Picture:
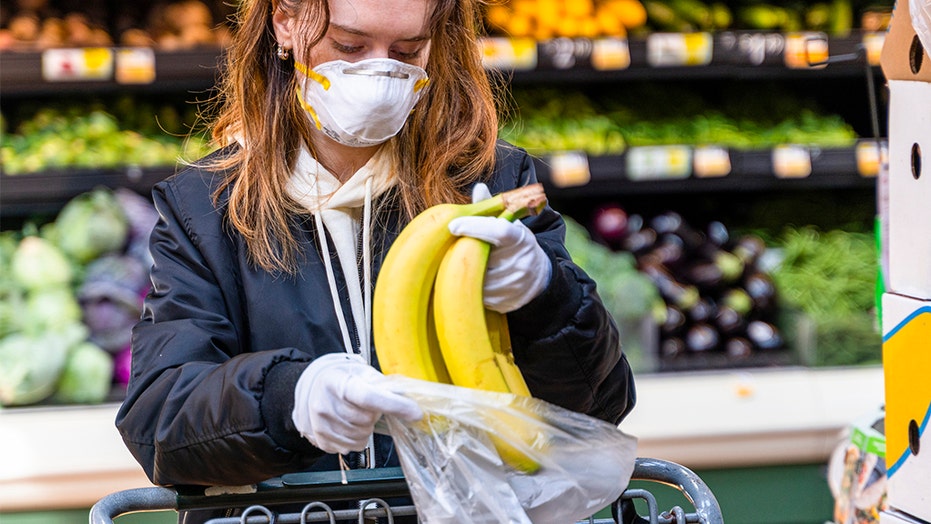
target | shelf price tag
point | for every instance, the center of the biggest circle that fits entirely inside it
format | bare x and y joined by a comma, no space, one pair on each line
659,162
519,54
610,54
565,53
135,65
873,43
569,169
77,64
679,49
711,161
751,48
791,161
806,50
870,155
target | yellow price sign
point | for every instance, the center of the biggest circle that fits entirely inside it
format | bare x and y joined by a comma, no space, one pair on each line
77,64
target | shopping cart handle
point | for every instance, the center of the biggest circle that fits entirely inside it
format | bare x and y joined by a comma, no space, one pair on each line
131,501
684,480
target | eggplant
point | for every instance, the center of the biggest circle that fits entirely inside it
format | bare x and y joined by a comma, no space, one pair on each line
762,291
702,337
764,335
671,348
729,321
738,347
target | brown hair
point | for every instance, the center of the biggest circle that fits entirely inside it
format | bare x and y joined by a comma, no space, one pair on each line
448,142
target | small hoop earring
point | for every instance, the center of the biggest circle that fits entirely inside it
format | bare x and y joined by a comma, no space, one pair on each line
282,53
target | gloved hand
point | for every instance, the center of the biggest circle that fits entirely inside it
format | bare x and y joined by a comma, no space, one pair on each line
337,401
518,269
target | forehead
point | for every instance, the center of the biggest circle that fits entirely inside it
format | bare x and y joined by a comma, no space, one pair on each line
400,18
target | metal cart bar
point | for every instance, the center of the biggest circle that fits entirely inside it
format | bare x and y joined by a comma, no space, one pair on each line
373,485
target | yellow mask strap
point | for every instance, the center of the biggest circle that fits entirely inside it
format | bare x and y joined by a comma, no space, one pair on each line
420,84
307,107
313,75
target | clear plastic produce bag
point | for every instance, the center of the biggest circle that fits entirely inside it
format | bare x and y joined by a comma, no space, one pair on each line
496,458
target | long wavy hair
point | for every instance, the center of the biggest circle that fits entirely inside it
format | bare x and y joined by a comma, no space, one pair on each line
447,143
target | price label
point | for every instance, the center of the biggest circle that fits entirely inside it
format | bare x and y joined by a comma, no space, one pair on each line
135,65
75,65
659,162
752,48
711,161
873,44
565,53
679,49
871,154
791,161
519,54
569,169
806,50
610,54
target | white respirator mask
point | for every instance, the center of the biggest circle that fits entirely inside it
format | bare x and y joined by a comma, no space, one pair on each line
361,103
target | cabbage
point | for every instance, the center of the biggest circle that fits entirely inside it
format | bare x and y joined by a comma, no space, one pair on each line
31,364
87,376
38,264
50,309
92,224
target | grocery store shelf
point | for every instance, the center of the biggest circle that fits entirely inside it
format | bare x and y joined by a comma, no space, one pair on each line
24,74
747,171
731,54
61,457
47,192
751,417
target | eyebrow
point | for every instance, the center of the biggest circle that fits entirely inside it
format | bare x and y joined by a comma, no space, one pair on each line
359,32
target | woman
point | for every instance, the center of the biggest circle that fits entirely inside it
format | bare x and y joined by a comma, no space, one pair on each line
340,120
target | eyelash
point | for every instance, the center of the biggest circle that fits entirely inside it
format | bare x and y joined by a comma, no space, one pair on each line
354,49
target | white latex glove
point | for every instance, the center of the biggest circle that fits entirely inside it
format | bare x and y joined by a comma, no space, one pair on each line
518,269
338,399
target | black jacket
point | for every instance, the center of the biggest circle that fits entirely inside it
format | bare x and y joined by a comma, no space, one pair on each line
221,344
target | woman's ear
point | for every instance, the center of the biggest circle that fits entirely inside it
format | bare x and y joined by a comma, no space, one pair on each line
283,23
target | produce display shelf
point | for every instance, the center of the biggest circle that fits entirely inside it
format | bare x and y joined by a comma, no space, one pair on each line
731,54
36,73
749,171
47,192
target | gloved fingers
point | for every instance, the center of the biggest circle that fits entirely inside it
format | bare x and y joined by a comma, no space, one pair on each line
373,399
480,192
495,231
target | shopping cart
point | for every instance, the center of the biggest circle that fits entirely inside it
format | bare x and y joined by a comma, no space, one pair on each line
316,491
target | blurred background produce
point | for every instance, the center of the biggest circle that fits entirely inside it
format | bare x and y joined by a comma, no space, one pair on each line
61,135
70,291
545,120
544,19
173,25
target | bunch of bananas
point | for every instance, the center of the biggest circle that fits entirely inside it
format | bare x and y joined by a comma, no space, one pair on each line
429,321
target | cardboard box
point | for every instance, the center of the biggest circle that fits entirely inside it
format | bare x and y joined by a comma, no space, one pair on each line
909,186
903,57
907,377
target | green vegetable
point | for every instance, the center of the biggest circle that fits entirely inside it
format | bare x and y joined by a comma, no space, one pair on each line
87,376
38,264
91,224
31,364
50,309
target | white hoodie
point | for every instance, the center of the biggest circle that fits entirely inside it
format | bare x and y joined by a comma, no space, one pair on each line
345,210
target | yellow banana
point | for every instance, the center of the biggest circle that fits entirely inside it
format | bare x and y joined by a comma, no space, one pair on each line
497,324
475,344
401,302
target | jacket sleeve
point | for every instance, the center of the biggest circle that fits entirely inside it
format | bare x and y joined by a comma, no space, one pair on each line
565,340
199,408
